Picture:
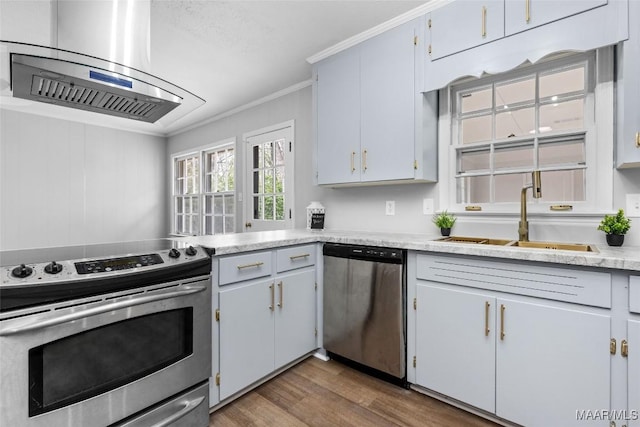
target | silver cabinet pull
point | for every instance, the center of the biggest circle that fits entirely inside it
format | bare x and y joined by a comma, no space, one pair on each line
502,334
294,257
486,318
273,297
281,287
255,264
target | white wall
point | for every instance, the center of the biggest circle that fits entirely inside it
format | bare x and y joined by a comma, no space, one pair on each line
66,183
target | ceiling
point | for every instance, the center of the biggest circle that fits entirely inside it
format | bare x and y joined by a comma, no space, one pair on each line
231,53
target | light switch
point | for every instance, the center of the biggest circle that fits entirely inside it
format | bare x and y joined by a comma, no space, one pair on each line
633,205
427,206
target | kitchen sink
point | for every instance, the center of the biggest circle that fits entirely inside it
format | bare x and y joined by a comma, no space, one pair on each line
476,240
581,247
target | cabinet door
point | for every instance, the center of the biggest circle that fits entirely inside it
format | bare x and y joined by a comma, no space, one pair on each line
465,24
246,335
628,152
338,118
521,15
633,377
295,320
551,362
387,94
455,344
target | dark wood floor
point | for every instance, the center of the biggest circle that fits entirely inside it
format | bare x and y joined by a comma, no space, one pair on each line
316,393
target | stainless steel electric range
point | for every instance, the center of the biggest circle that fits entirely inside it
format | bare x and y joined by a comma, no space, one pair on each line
105,335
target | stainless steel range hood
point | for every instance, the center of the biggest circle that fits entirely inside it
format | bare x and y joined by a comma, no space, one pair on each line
86,88
90,56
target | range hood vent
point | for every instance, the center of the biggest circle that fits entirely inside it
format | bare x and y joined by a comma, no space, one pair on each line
87,88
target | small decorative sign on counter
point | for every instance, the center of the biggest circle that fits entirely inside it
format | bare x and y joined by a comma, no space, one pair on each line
315,216
317,221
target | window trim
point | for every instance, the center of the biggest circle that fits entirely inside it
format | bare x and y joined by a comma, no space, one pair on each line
201,152
598,144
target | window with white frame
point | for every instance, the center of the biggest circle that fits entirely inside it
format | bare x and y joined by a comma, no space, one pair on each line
219,191
540,117
186,194
204,191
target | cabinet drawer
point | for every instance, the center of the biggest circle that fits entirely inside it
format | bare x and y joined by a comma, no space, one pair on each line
244,267
555,283
295,257
634,294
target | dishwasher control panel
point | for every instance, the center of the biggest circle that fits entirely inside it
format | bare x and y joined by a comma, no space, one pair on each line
365,253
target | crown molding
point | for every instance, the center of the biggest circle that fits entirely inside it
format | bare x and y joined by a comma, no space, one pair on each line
379,29
291,89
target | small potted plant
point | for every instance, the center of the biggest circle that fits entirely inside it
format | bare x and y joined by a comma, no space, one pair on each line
444,221
615,226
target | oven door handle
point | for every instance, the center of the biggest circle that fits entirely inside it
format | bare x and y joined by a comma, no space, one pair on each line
105,308
189,406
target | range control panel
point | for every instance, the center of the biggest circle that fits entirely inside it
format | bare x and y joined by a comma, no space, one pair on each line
120,263
65,270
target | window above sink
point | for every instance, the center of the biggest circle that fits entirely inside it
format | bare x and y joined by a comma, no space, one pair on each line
555,116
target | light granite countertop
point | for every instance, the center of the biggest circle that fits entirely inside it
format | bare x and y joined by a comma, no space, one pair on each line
620,258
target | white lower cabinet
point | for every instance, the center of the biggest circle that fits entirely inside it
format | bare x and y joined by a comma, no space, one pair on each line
295,316
530,361
246,336
633,377
266,311
551,363
632,354
455,355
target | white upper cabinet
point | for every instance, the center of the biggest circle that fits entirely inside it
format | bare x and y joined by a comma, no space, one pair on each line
387,94
476,23
532,30
338,118
522,15
372,122
628,144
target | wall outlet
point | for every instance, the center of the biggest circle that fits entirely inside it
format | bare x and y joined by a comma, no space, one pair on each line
633,205
427,206
390,208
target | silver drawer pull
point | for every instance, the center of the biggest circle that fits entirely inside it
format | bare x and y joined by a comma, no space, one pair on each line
293,257
187,407
255,264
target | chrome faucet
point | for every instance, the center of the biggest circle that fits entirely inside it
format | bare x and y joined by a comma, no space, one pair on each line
536,188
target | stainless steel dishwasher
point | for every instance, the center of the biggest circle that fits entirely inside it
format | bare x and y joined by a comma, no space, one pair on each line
365,307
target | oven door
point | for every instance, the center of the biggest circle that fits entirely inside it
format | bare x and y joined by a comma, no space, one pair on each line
100,362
